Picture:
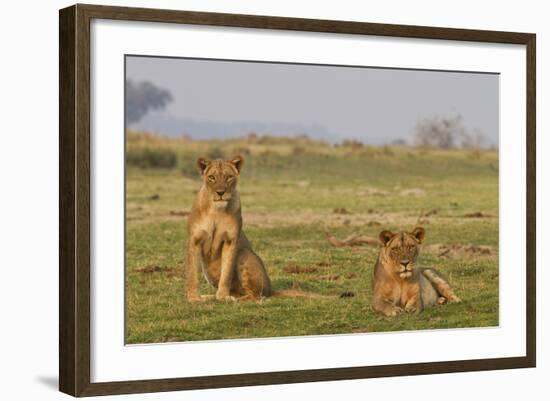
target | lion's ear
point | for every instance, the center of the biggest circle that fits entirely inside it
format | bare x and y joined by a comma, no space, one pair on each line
202,163
384,237
238,162
419,233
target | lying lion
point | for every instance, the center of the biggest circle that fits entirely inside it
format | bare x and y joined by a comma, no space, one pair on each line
401,286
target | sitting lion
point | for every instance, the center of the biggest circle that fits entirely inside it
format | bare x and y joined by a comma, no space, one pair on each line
217,244
398,284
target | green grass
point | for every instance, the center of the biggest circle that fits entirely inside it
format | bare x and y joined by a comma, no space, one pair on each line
288,196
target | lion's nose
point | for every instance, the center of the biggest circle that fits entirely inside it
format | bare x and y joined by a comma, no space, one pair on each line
405,262
220,193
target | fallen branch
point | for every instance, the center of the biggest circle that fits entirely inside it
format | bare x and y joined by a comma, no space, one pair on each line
354,240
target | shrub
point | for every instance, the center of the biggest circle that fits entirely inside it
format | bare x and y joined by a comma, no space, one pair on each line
475,154
151,158
252,137
241,150
387,151
298,150
370,152
215,153
188,166
352,143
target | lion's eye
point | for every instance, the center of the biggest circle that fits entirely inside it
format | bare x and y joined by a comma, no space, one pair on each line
230,178
211,178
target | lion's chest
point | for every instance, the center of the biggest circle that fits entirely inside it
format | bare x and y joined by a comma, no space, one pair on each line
403,290
215,231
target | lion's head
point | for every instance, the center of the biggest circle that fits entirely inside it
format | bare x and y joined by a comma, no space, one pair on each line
400,250
220,178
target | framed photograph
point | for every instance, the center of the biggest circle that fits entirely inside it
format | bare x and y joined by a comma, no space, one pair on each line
249,200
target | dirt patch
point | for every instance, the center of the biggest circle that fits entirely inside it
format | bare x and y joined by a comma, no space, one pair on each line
430,213
154,197
413,192
374,219
179,213
373,192
322,264
330,277
269,219
341,210
154,269
477,215
169,339
293,268
457,251
337,276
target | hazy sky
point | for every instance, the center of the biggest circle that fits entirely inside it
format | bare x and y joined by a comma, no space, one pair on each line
370,104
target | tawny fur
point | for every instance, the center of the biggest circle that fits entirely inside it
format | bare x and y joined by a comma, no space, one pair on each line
399,285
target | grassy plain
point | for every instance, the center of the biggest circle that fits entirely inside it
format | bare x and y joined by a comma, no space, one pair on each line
291,189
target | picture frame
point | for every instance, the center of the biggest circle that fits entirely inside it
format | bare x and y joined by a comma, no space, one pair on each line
76,200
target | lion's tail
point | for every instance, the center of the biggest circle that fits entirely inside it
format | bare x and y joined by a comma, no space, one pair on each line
308,295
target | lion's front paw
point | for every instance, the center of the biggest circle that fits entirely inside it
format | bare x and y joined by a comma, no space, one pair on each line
394,311
454,299
412,309
222,296
200,298
194,297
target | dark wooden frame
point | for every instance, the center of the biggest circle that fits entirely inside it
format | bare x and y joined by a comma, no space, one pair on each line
74,199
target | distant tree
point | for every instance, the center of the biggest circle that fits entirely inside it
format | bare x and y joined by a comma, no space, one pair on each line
439,131
352,143
474,140
142,97
447,132
252,137
399,142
